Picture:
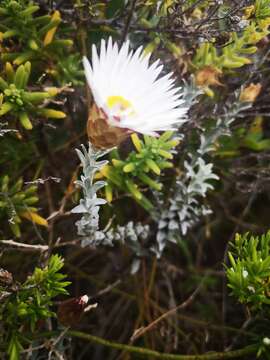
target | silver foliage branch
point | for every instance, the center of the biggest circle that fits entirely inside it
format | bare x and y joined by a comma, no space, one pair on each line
185,209
88,225
132,234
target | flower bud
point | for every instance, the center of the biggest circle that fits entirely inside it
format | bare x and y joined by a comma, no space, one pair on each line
70,311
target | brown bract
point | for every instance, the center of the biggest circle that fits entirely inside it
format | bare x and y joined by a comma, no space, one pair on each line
70,311
100,133
250,93
207,76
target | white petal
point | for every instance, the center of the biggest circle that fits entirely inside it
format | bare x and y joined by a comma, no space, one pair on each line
156,102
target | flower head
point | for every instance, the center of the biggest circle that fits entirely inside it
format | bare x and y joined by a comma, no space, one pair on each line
250,93
130,94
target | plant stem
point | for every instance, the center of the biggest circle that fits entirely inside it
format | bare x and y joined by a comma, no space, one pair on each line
129,18
82,37
251,349
22,246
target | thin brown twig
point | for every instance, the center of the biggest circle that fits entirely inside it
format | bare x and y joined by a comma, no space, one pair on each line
108,288
128,22
24,247
183,305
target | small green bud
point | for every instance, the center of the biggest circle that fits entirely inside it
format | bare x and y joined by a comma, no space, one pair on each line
30,190
62,43
51,113
9,72
33,44
17,186
31,200
9,33
117,163
51,25
5,108
19,101
52,91
129,168
148,181
25,121
165,165
133,189
30,10
165,154
15,229
23,58
153,166
36,96
231,259
21,311
170,144
17,198
3,84
5,182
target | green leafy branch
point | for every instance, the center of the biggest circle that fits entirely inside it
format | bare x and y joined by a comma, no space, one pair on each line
29,303
152,155
262,9
249,274
16,100
36,35
37,40
17,202
236,52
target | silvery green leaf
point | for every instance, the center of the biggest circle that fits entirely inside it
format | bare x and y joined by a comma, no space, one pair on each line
185,209
98,185
102,163
184,227
95,202
135,266
162,224
87,226
81,156
173,225
79,209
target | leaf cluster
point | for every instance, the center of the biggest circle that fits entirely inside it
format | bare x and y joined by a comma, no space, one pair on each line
249,274
238,50
30,303
19,102
151,157
261,9
16,203
27,37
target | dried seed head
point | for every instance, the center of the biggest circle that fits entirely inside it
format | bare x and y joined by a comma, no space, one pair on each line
101,134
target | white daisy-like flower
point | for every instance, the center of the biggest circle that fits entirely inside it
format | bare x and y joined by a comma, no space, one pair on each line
131,93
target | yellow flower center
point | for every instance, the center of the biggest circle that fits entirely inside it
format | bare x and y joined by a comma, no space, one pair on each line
120,105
